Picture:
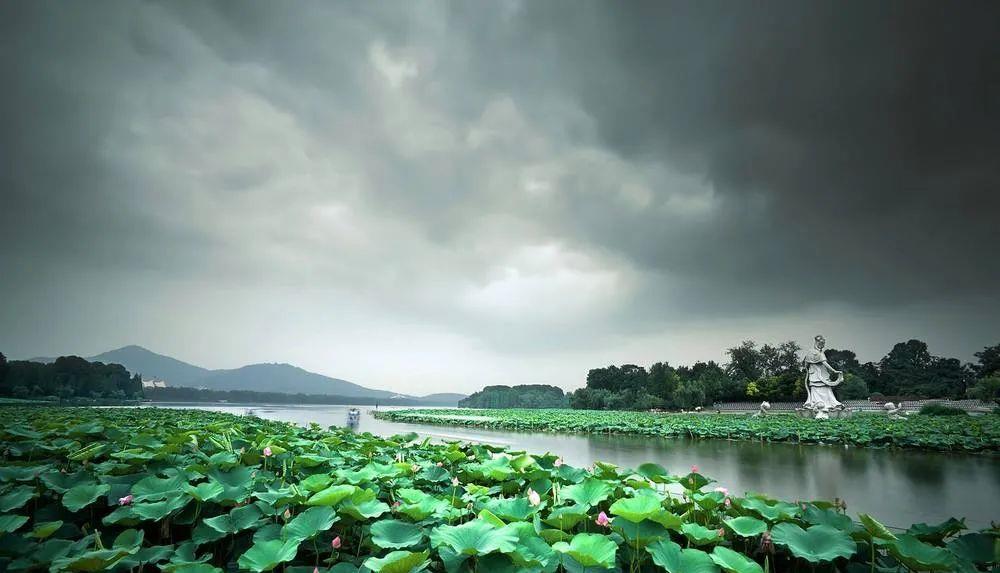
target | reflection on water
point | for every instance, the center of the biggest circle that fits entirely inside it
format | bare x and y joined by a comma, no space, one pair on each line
899,487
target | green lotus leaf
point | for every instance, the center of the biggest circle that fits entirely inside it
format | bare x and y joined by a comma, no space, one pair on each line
17,497
204,533
734,562
818,544
975,548
26,473
668,520
236,482
90,561
236,520
710,500
206,491
816,516
158,510
516,509
153,488
642,533
522,462
422,509
475,537
637,508
394,534
363,504
777,512
399,562
45,529
123,515
316,482
590,550
875,529
654,472
693,482
587,493
310,523
920,556
567,516
936,533
275,497
266,555
570,474
61,483
192,568
332,495
10,523
130,539
701,535
671,557
81,496
488,516
530,551
746,526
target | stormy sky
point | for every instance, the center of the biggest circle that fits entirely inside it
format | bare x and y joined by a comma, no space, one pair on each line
430,196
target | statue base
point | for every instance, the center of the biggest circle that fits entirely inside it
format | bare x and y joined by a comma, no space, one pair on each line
824,414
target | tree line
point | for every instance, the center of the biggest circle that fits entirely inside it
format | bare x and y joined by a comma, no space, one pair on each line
68,377
522,396
774,373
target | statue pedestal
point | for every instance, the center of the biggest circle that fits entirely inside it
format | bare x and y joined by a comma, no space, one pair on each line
830,414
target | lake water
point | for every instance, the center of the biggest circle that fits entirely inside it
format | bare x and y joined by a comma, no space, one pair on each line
899,487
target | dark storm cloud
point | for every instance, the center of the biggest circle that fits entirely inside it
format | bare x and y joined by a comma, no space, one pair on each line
515,177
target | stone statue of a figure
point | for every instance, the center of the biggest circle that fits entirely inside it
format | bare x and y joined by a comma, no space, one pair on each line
819,382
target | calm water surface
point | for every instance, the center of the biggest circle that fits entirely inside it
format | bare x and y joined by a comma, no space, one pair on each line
898,487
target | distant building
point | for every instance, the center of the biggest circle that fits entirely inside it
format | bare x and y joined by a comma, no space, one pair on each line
154,383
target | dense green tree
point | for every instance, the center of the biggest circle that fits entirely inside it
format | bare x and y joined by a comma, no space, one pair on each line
909,369
522,396
988,361
986,389
662,382
853,387
68,376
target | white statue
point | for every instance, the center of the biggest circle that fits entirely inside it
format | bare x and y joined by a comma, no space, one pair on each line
764,407
893,411
819,383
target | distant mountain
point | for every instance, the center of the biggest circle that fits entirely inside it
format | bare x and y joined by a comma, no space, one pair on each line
442,399
149,364
284,378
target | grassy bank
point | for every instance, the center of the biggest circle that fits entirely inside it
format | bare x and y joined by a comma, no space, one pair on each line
202,492
968,433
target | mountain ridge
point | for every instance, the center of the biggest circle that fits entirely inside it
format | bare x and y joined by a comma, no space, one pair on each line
260,377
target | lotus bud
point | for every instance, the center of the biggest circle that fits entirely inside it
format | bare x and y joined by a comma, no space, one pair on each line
602,520
267,452
533,497
336,543
558,462
694,469
127,500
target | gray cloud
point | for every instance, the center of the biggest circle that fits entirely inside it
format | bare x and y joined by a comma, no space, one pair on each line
449,194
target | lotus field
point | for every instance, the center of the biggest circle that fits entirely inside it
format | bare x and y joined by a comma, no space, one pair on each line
947,433
201,492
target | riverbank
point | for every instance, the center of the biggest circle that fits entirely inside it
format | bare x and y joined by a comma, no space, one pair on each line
938,433
203,491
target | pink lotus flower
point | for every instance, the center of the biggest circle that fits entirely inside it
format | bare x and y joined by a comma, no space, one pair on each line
602,520
729,502
694,469
288,513
533,497
336,543
721,532
722,490
558,462
440,464
267,452
454,482
127,500
315,569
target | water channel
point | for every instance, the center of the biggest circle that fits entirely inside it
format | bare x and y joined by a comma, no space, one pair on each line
899,487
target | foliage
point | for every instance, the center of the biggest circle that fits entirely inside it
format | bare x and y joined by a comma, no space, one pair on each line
67,377
934,409
987,389
522,396
197,491
970,433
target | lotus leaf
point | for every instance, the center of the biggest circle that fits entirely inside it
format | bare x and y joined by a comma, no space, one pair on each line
818,544
671,557
266,555
589,492
399,562
590,550
734,562
81,496
394,534
475,537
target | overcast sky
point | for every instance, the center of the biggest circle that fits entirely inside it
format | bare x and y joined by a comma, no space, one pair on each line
426,196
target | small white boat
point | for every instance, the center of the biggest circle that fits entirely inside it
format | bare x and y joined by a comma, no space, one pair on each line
353,416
